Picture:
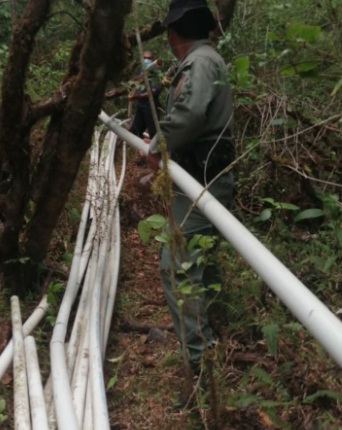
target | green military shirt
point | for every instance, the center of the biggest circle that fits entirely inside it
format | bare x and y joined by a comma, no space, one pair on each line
199,107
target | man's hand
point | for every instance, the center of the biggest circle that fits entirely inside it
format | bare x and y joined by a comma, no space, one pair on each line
153,160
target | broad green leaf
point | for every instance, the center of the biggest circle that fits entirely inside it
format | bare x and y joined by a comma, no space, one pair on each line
215,287
288,206
180,303
307,33
113,380
206,242
242,64
269,200
144,231
162,238
309,214
194,241
156,221
306,66
185,289
264,216
299,69
186,265
200,260
2,405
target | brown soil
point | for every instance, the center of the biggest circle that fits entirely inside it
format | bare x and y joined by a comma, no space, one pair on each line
148,375
144,374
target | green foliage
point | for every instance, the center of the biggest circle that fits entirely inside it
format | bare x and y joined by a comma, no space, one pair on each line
271,333
321,394
150,227
267,213
55,290
114,378
3,57
5,22
309,214
3,417
241,75
45,75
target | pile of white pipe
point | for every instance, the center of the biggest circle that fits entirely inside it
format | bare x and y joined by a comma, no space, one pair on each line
74,396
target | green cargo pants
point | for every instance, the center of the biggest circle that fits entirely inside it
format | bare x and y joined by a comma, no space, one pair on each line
192,315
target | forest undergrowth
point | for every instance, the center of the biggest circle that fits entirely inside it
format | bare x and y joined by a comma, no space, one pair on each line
267,371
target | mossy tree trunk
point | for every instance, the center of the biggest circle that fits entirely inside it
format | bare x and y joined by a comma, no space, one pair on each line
73,110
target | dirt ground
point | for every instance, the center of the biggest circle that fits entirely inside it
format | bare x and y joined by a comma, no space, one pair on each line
144,371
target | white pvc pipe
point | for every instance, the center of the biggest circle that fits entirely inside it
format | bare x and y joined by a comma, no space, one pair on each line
313,314
65,412
100,410
36,316
78,325
22,419
115,251
50,406
88,420
80,376
36,395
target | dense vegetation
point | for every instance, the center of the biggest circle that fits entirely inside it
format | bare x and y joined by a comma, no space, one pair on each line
284,60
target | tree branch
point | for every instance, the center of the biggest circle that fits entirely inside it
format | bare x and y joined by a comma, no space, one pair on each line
146,33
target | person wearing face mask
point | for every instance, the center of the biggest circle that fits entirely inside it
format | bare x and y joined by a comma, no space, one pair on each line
143,119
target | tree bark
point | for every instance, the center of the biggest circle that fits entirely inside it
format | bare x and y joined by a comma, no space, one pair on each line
70,133
14,133
97,56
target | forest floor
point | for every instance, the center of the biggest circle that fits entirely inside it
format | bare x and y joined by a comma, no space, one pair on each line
250,389
147,374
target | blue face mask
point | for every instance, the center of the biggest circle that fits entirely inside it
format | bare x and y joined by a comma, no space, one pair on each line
147,62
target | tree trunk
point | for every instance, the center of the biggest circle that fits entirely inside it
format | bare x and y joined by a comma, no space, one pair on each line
14,134
98,56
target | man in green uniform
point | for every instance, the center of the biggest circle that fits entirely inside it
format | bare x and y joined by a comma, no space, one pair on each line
198,132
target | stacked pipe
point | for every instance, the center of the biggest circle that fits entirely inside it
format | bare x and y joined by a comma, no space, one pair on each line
74,396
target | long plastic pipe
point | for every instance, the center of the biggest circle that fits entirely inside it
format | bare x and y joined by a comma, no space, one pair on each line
66,417
115,255
80,266
100,410
22,419
65,412
312,313
36,394
86,253
36,316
